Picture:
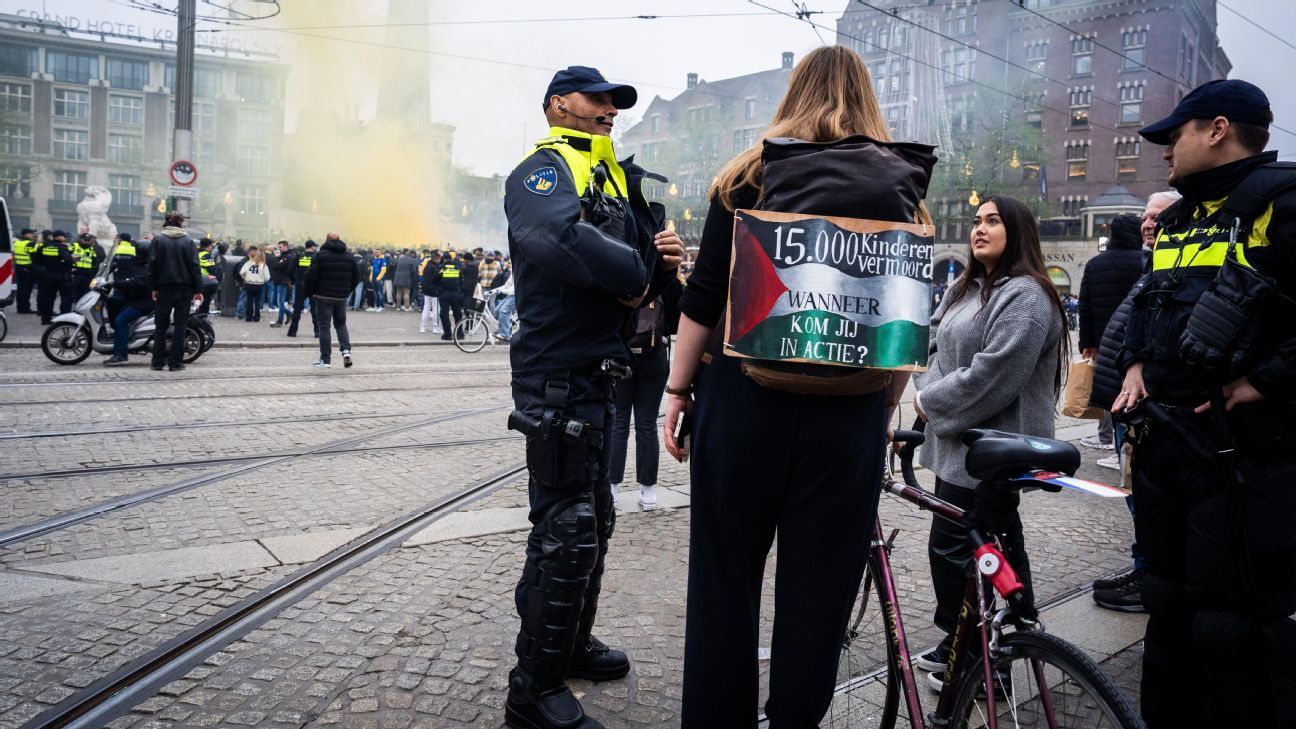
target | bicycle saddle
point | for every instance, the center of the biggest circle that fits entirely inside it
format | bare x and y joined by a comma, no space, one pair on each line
994,455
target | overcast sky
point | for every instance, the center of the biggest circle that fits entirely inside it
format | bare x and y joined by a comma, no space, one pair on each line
491,91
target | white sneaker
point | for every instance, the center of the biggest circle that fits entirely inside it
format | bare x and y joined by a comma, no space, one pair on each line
1112,462
647,497
616,492
1093,442
321,365
422,330
346,359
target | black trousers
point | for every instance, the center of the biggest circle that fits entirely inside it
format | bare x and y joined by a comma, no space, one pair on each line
767,463
1205,637
450,303
80,283
26,284
640,396
49,286
950,555
299,303
172,306
590,400
209,293
332,312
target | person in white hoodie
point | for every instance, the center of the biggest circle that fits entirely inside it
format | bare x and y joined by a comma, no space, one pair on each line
255,273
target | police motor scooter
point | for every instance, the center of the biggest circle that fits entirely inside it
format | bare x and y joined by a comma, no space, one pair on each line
71,337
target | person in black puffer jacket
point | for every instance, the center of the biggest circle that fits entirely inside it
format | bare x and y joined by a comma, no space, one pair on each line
331,278
1107,278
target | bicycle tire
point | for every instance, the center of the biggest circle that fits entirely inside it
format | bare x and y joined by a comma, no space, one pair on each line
1020,652
891,704
467,331
4,327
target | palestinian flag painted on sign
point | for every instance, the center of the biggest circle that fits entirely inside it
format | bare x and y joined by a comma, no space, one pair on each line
839,291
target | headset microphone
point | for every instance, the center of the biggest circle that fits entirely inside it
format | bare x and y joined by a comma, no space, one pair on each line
600,118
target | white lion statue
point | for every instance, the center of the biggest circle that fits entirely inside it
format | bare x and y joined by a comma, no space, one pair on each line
92,213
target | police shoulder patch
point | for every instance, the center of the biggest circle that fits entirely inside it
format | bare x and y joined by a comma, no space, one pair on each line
542,181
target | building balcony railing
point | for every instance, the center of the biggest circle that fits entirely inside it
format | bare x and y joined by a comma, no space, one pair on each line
20,203
62,206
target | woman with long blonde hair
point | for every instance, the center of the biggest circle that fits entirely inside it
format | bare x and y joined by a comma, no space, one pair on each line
768,462
255,274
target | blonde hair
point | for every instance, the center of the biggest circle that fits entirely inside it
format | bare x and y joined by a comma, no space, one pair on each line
829,97
257,257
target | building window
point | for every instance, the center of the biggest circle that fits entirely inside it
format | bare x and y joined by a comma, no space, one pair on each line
1081,100
253,123
15,139
1133,48
897,120
125,109
883,37
251,200
1030,171
751,109
17,60
1082,55
1127,156
656,123
16,98
168,76
71,104
965,19
72,68
1077,155
1035,109
1036,54
1185,57
68,185
125,149
71,144
125,190
1072,204
126,74
207,82
253,160
15,182
256,88
901,37
1131,102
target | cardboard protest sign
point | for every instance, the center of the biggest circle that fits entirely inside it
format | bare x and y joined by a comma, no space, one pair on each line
827,290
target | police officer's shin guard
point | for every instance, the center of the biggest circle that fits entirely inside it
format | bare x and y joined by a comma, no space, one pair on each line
591,659
555,587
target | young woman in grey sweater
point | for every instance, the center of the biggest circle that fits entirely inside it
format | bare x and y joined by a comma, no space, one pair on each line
999,344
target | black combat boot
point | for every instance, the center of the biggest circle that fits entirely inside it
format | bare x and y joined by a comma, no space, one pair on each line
555,708
593,660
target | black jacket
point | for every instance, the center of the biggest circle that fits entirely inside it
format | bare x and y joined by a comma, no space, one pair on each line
1108,277
281,271
468,281
173,261
1107,376
569,274
332,273
130,276
430,285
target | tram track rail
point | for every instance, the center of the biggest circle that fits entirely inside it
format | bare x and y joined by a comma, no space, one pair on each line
27,532
115,694
300,453
296,375
195,426
215,396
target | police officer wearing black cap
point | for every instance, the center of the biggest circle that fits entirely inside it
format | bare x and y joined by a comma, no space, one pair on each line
587,247
54,259
1210,395
299,269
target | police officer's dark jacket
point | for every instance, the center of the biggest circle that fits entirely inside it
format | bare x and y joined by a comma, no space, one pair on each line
1191,246
129,269
570,274
54,257
332,273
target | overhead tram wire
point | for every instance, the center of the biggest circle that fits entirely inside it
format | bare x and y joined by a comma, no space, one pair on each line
1262,29
982,84
981,51
503,21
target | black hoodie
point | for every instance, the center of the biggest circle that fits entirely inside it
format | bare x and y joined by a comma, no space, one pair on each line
332,273
1108,277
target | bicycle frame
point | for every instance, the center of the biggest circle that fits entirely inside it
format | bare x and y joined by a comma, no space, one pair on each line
973,616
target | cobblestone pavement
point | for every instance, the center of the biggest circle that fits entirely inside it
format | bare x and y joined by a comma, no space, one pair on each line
420,636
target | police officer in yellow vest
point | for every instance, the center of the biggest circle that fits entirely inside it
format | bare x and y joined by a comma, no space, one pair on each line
450,297
1210,363
86,257
303,265
54,259
23,270
211,274
586,248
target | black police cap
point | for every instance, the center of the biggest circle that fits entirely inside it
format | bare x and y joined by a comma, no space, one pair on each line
588,80
1233,99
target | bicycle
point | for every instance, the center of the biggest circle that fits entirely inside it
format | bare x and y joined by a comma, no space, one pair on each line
1037,679
479,326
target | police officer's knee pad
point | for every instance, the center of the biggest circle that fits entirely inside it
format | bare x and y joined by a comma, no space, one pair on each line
570,541
1160,594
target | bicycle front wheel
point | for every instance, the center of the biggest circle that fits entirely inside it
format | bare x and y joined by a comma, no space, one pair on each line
1046,682
471,333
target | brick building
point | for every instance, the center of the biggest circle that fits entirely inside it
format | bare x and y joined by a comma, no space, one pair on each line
1085,74
79,108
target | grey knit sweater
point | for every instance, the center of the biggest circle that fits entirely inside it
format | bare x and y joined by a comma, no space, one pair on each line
992,367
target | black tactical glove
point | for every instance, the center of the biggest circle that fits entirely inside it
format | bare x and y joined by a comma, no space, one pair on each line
1225,319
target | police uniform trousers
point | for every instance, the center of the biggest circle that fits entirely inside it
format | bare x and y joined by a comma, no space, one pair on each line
26,281
572,520
1205,663
452,310
299,295
808,470
51,285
